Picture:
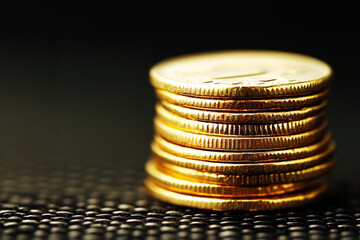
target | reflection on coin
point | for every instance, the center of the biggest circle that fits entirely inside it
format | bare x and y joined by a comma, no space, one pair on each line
245,168
259,129
245,117
247,180
259,156
241,74
215,190
244,204
238,143
242,105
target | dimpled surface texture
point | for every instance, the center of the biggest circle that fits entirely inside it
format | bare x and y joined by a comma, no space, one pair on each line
108,201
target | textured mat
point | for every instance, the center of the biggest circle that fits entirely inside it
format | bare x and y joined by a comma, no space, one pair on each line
108,201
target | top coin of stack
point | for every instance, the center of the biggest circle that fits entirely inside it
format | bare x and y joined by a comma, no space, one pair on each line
240,130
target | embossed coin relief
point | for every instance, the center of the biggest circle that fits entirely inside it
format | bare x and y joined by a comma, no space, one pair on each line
198,74
266,69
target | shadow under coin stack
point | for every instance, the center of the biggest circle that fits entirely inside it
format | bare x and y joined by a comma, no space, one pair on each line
240,130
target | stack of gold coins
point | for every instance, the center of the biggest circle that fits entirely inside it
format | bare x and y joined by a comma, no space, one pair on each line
240,130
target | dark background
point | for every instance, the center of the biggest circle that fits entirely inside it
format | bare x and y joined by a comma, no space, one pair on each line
74,79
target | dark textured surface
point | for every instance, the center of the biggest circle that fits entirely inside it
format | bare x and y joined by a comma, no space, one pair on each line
93,201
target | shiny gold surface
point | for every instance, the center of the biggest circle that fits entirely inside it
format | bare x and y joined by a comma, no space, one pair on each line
225,156
244,204
245,168
238,143
259,129
317,171
253,156
242,105
162,178
245,117
241,74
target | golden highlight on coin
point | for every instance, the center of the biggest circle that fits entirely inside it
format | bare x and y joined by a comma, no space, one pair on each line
238,143
242,105
248,180
240,130
245,117
259,129
240,204
212,189
245,168
251,156
241,74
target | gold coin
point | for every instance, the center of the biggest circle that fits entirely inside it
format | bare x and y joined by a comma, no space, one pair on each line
238,143
215,190
241,74
235,179
245,168
258,129
244,117
223,156
242,105
244,204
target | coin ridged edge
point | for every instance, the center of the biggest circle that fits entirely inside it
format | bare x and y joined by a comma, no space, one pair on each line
316,171
221,204
242,143
212,189
260,156
245,168
241,105
259,129
295,89
244,117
